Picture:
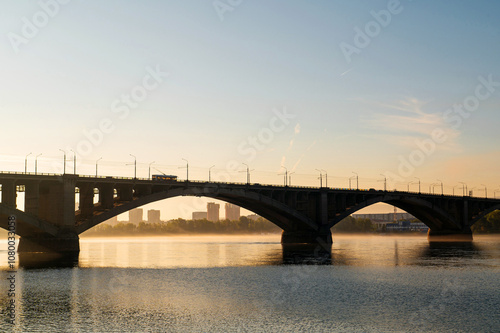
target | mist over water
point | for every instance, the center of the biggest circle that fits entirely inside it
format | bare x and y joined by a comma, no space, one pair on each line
245,284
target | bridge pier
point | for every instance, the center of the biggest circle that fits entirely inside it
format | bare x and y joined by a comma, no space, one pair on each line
449,235
322,238
64,243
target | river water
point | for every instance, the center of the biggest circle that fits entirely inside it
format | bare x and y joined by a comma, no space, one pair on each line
248,284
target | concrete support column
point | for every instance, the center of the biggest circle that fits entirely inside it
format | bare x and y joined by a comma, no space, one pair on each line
9,194
323,208
68,196
66,242
125,192
86,200
106,192
57,201
32,197
321,237
464,235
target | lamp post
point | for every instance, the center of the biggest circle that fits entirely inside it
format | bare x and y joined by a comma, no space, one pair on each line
464,188
485,191
441,185
326,177
135,166
385,182
74,161
149,169
454,189
36,162
210,173
96,166
357,180
285,182
433,185
26,163
408,186
248,173
187,169
64,164
418,184
290,178
320,178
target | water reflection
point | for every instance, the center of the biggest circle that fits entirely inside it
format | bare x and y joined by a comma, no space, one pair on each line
47,260
234,251
306,254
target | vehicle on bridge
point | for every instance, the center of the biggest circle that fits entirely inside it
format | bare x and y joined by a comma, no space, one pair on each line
165,178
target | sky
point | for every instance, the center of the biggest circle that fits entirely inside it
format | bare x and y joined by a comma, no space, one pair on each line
405,91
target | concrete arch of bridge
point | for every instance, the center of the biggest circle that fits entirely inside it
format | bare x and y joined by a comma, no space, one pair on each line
434,217
25,225
484,213
283,216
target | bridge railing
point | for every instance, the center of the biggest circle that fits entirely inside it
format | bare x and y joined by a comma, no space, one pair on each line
233,183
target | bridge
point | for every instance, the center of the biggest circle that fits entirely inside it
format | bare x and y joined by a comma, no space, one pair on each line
50,223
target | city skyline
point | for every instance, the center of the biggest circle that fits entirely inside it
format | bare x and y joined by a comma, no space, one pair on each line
404,90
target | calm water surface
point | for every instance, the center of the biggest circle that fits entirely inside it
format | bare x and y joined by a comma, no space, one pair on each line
247,284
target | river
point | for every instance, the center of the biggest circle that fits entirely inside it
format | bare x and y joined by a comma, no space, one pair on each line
248,284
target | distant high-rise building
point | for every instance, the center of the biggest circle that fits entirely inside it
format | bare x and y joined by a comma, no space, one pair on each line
154,216
199,215
213,211
135,216
232,212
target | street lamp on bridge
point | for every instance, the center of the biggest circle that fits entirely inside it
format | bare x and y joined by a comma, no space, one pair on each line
36,162
74,161
357,180
290,178
385,182
320,178
248,173
187,169
464,188
326,177
64,164
485,191
351,178
209,173
135,166
96,166
441,185
149,169
26,163
285,176
418,183
432,185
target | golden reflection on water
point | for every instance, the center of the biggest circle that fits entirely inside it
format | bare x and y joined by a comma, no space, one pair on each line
258,250
180,251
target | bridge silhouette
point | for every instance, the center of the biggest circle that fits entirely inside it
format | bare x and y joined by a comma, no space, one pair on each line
49,221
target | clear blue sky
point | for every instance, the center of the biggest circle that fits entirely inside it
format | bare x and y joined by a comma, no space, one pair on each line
232,67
